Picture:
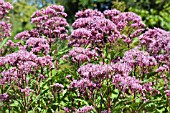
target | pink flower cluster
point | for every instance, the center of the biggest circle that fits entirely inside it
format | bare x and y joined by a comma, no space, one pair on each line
23,35
157,41
162,68
51,22
167,92
27,91
58,85
88,13
135,57
4,8
80,55
23,63
38,45
95,71
17,57
84,109
25,60
112,14
45,61
80,37
4,97
57,88
31,41
9,75
128,23
5,29
82,84
94,29
122,68
127,82
12,44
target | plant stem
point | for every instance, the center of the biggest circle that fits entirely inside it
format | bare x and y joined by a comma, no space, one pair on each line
58,100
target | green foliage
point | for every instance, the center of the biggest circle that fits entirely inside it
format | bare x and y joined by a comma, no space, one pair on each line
155,13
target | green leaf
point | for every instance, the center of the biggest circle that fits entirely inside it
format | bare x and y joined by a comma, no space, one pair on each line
3,42
85,102
151,74
15,104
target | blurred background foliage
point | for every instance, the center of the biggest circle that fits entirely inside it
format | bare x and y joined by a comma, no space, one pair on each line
155,13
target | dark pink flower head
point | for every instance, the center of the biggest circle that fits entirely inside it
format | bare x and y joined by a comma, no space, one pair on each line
97,23
167,92
58,8
4,97
162,68
127,82
135,57
157,43
83,85
88,13
112,14
27,66
84,109
2,61
106,111
99,30
126,18
95,71
156,40
45,61
80,37
57,87
147,87
4,8
21,55
34,33
9,75
128,23
38,45
25,60
27,91
23,64
53,10
80,55
23,35
5,29
51,22
67,110
122,68
12,44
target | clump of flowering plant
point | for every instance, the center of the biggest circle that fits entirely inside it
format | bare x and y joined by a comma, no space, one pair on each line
51,22
109,64
92,28
5,26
